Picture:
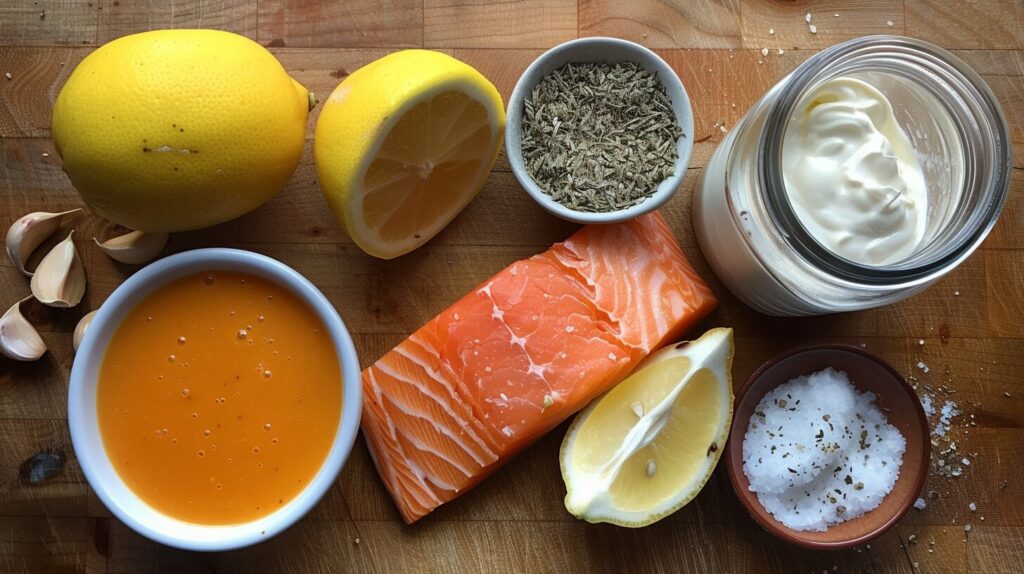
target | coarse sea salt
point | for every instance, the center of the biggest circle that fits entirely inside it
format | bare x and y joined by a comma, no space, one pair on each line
817,452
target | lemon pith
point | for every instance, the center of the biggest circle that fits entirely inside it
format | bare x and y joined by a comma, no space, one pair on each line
173,130
646,448
403,144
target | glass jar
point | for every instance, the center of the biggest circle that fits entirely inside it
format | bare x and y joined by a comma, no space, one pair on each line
746,225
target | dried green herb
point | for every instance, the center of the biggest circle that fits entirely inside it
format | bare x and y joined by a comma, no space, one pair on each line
599,137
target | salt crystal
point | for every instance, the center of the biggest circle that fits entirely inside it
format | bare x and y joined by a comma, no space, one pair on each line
8,76
973,507
922,366
888,23
966,462
781,51
807,18
813,29
920,342
926,404
764,51
920,504
771,31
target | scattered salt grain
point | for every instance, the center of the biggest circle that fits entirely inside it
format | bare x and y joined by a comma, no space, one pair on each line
807,18
920,504
966,461
818,452
813,29
973,507
781,51
922,366
946,415
771,31
764,51
8,76
920,342
927,405
888,23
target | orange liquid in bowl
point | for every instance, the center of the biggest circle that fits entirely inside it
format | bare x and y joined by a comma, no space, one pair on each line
219,398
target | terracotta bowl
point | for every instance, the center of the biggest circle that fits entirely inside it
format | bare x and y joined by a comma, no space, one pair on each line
893,395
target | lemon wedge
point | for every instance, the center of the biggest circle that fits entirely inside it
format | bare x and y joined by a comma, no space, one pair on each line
646,448
403,144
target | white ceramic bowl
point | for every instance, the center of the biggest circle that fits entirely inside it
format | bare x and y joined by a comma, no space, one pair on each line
598,50
85,431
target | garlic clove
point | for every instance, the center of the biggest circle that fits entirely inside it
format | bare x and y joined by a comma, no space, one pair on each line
134,248
19,340
25,235
59,281
82,327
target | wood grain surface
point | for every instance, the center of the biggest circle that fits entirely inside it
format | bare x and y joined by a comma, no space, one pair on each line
971,322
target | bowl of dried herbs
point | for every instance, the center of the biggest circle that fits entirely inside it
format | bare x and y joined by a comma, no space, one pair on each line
599,130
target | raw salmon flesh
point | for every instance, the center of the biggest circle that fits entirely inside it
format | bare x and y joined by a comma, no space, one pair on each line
519,354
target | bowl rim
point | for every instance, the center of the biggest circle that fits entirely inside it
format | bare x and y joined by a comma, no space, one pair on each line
647,58
769,523
115,494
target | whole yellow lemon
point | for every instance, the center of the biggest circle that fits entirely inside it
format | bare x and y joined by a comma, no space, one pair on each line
173,130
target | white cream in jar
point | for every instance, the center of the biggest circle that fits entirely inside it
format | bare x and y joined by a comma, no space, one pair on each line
861,178
852,175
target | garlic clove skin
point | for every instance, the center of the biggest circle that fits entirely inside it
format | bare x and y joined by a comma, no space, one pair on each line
25,235
82,327
134,248
59,281
19,340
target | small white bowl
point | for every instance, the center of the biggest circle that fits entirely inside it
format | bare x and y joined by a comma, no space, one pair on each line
598,50
85,431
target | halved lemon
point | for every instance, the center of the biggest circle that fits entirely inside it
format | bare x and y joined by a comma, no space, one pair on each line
403,144
646,448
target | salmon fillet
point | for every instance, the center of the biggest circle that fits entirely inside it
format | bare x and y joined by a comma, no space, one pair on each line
522,352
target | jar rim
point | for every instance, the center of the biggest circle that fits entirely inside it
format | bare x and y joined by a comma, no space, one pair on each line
925,57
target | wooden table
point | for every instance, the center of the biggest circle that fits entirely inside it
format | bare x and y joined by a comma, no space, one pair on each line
970,322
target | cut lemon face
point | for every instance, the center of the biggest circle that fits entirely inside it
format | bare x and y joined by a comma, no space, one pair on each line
403,144
646,448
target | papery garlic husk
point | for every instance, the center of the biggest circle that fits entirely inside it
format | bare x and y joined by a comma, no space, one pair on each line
19,340
82,327
59,281
134,248
25,235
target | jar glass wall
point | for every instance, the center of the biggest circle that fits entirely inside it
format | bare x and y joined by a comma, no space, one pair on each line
745,220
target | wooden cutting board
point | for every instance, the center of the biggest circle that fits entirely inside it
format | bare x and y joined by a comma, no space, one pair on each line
970,323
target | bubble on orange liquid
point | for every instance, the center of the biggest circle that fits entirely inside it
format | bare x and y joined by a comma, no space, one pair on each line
195,415
181,340
242,333
171,358
206,432
273,440
201,454
209,279
266,426
261,318
185,392
267,374
230,460
255,450
219,486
